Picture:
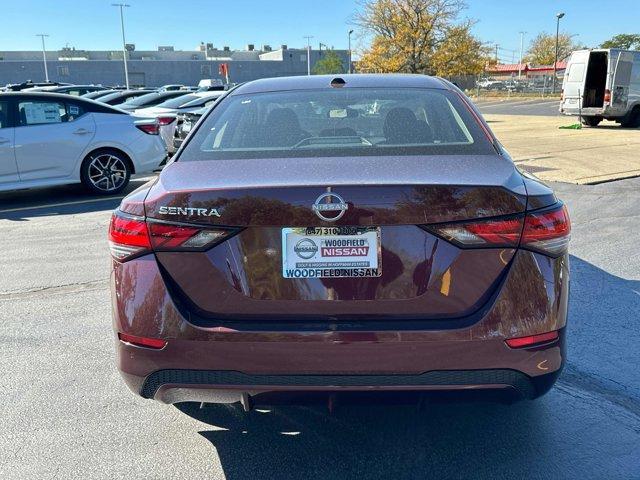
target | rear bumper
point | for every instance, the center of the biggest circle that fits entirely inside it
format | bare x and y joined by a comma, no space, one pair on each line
219,364
222,386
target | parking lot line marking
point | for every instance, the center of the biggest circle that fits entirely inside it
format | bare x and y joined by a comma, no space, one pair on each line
64,204
542,102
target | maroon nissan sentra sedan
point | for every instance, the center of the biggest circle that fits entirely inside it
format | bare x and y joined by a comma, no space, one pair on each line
360,232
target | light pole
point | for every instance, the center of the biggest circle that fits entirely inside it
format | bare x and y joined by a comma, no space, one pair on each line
350,69
44,56
521,49
308,37
124,45
555,63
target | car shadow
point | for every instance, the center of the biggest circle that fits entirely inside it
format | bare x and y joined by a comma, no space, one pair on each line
20,205
552,437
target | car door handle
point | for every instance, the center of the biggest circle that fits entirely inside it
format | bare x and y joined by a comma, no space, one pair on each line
82,131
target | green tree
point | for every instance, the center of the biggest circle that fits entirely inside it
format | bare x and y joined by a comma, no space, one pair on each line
329,63
542,49
626,41
418,36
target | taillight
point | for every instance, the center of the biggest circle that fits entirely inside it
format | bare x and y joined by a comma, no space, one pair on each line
607,96
149,127
128,236
483,233
532,340
547,231
131,236
162,121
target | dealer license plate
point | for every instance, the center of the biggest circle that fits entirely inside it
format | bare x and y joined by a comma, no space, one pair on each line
331,252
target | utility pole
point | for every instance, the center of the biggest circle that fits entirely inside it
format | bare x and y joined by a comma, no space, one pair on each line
124,45
308,37
555,63
350,69
521,51
44,56
497,53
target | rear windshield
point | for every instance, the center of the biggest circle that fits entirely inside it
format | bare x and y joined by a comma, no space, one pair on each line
338,122
200,100
178,101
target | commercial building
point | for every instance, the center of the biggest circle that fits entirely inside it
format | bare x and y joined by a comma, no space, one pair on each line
153,68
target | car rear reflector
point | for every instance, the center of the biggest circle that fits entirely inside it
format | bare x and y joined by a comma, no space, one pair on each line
131,236
155,343
532,340
607,96
547,231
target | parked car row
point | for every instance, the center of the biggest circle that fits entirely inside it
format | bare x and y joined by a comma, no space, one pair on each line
89,133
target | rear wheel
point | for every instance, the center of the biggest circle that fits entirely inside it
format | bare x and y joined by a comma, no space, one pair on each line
631,119
105,172
591,121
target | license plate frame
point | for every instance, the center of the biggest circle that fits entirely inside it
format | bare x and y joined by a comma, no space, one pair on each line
331,252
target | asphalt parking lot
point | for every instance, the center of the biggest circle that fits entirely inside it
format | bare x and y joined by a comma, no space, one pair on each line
66,413
518,106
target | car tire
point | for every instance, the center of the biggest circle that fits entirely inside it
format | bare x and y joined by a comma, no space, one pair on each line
631,119
591,121
105,171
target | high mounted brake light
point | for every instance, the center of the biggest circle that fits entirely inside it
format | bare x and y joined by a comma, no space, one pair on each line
546,231
131,236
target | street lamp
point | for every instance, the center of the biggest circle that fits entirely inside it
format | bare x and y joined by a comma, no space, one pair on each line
44,56
555,63
308,37
124,45
521,49
350,69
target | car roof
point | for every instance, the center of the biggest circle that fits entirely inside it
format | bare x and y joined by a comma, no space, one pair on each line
59,96
45,94
360,80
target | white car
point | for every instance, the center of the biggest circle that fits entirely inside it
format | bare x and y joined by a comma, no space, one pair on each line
166,112
54,139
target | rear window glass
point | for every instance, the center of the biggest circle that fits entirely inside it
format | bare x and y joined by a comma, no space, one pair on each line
338,122
200,101
178,101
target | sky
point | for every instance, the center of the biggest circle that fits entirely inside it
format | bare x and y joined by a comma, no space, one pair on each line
95,25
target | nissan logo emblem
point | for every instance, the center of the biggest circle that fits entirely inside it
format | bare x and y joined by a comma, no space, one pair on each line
324,204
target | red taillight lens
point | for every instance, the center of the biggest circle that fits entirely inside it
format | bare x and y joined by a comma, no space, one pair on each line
547,232
128,236
532,340
131,236
162,121
607,96
483,233
150,128
170,236
155,343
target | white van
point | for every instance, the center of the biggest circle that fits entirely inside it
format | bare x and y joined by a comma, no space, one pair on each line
603,84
